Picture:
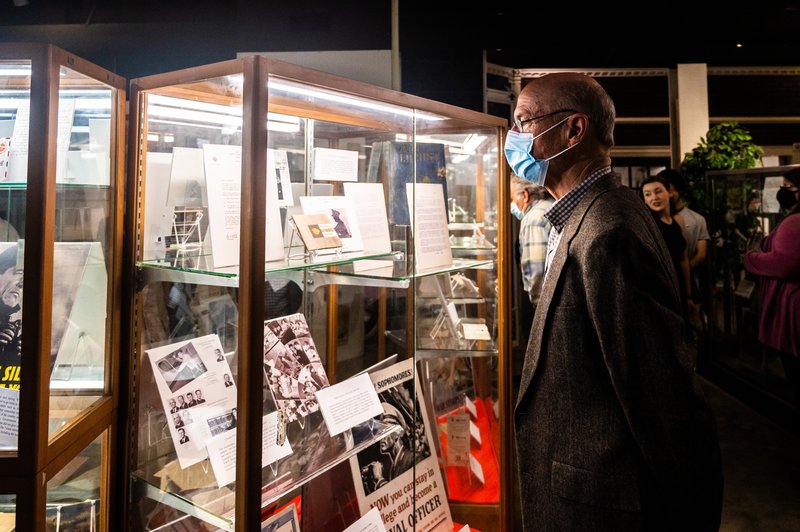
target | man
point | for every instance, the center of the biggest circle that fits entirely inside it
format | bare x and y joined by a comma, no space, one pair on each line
397,445
183,438
190,401
198,397
695,231
529,203
611,426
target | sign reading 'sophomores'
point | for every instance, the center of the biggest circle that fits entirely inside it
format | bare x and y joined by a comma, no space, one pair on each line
399,476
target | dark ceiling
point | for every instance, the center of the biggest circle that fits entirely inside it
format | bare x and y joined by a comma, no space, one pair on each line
516,34
654,34
441,43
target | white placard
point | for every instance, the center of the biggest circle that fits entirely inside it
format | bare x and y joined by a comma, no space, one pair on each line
369,522
66,115
18,165
470,406
458,443
769,201
183,369
223,171
475,433
429,226
369,203
344,216
475,331
222,450
476,468
158,214
335,165
9,418
348,403
278,165
452,314
100,149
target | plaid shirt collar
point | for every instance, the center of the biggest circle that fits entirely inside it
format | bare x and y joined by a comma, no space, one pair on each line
561,209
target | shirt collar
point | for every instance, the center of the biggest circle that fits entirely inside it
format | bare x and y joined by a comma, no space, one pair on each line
563,207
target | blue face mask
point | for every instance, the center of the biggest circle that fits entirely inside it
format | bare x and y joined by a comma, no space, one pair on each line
518,150
515,212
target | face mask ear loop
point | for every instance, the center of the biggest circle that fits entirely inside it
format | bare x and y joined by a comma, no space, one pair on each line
545,131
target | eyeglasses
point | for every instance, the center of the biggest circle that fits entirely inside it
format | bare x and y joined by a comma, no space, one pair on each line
521,123
791,188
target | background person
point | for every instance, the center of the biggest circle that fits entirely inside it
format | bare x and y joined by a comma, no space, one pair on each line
611,426
655,192
528,204
695,231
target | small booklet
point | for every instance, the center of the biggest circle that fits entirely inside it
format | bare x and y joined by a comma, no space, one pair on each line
317,231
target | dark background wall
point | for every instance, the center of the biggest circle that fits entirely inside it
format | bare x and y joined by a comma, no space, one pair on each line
442,43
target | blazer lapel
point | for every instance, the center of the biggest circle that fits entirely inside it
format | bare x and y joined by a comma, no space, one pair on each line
552,278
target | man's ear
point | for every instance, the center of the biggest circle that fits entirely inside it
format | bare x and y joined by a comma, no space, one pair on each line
577,126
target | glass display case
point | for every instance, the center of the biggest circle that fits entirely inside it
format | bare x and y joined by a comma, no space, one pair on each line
61,166
744,211
320,323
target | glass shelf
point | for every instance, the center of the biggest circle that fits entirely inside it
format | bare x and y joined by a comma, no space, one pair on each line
446,347
199,269
310,458
389,274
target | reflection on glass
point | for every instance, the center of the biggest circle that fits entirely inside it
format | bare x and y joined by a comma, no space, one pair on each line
84,223
73,494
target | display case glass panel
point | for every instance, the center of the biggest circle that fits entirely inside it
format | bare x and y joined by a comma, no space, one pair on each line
380,254
15,85
744,211
84,228
73,494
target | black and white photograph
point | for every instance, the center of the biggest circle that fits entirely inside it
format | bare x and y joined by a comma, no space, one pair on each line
223,422
401,450
292,365
181,367
339,217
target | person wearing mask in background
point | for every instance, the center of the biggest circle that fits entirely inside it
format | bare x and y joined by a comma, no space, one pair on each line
655,192
695,231
777,263
611,426
528,205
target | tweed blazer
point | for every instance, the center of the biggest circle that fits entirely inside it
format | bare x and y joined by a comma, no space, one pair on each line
611,427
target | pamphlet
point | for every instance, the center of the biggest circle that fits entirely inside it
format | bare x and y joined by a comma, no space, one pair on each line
198,394
317,231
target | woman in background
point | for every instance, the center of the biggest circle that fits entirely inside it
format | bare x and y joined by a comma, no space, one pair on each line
656,194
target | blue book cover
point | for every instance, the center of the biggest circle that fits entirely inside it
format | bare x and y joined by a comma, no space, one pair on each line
396,159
